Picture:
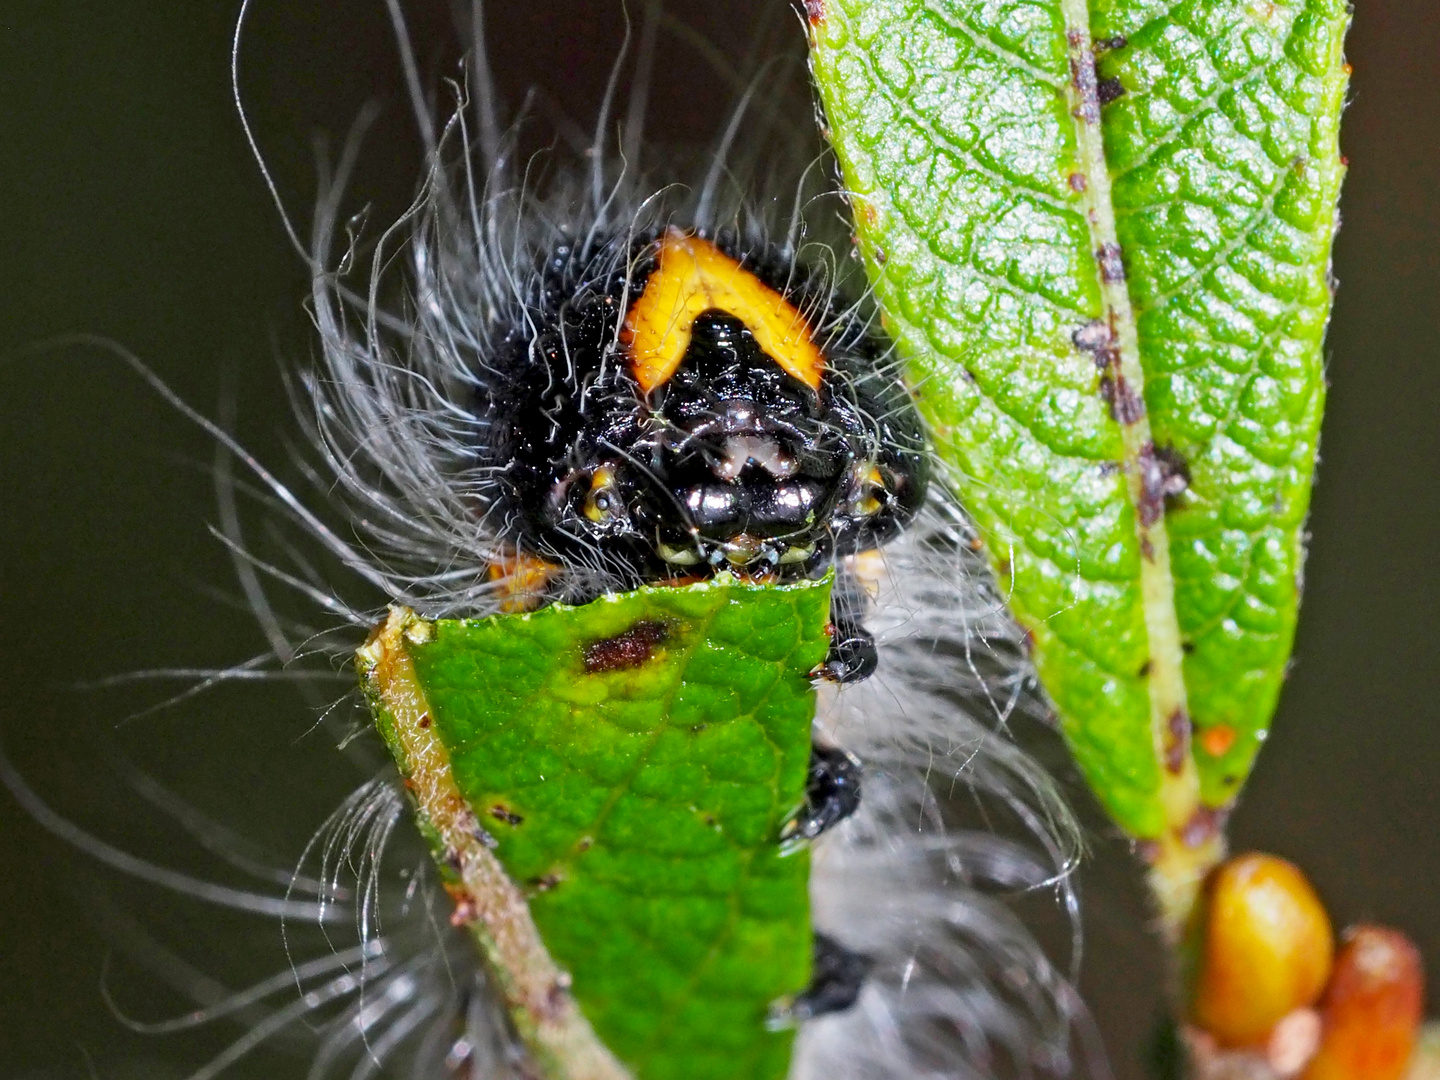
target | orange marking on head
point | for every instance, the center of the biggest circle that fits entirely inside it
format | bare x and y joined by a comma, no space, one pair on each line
694,276
523,578
1218,740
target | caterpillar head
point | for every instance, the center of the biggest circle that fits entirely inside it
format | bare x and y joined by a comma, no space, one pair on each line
689,415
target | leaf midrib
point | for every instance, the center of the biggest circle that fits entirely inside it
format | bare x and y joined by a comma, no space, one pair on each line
1165,678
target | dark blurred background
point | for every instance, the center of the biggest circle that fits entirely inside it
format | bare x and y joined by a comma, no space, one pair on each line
130,207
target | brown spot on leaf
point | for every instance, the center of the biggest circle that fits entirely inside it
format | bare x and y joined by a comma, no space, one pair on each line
500,812
1126,406
1082,78
1107,90
546,882
1110,44
625,650
1112,263
1164,475
1077,182
1097,338
1177,741
1204,825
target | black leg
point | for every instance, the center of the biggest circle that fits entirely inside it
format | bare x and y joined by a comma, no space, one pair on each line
838,977
852,655
832,792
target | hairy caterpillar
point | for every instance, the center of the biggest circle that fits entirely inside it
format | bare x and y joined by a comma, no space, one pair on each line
943,958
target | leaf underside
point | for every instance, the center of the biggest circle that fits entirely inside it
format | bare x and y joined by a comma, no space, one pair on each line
634,760
1100,235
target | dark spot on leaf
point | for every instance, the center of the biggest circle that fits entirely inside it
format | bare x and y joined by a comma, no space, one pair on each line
1112,263
546,882
1107,90
1110,44
880,255
1187,647
1110,468
1177,741
1125,405
627,650
502,813
424,721
1205,824
1145,670
1077,181
1082,79
1147,549
585,843
1098,339
969,375
697,728
1164,475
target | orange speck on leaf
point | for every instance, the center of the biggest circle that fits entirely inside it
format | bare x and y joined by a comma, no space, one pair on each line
1217,741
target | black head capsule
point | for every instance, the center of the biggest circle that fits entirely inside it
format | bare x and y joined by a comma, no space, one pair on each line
674,411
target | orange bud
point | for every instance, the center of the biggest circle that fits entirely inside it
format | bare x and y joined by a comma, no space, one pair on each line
1371,1012
1265,951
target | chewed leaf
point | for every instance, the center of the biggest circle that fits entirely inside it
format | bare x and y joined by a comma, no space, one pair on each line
631,765
1100,233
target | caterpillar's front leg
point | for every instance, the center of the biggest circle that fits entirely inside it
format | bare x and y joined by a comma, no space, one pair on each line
853,656
832,793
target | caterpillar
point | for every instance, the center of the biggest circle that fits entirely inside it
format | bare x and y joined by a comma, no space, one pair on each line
505,426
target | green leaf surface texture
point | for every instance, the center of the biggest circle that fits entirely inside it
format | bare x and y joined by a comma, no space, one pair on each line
1100,234
635,759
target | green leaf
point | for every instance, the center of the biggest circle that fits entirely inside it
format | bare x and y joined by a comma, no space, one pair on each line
632,763
1109,275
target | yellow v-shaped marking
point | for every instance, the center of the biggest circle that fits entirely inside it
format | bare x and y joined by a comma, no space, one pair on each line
695,276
